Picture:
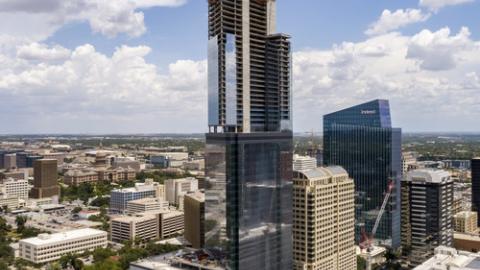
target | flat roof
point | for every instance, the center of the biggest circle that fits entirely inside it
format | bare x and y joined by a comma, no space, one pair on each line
45,239
428,175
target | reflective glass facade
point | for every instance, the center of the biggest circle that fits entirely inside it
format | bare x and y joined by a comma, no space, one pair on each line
248,199
475,166
361,140
213,77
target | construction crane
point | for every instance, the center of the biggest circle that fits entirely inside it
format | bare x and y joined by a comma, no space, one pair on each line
367,240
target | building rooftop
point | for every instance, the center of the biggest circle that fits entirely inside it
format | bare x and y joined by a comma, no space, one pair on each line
136,218
322,172
446,258
45,239
428,175
146,201
199,196
465,214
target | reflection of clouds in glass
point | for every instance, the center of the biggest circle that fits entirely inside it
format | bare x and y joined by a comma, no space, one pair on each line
231,80
213,116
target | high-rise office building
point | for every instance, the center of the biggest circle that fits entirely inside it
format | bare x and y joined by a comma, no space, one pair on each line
427,213
10,161
45,179
249,143
475,167
323,219
194,209
361,140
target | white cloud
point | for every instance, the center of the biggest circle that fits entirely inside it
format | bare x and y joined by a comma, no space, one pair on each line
153,3
436,5
38,20
90,86
426,91
36,51
439,50
390,21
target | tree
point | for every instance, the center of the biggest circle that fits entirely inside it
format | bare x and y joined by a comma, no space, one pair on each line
21,221
101,254
76,210
100,201
361,263
107,264
3,265
70,261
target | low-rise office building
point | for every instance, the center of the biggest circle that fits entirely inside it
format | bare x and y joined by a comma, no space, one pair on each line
120,197
466,242
14,193
171,223
144,227
146,205
50,247
76,177
147,226
446,258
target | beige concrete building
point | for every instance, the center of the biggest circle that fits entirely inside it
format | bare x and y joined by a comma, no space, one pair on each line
175,189
116,175
146,205
144,227
304,163
19,174
170,223
147,226
14,193
76,177
323,219
465,222
194,209
50,247
409,161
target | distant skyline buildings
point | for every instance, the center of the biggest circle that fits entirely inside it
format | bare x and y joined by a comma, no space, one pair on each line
362,140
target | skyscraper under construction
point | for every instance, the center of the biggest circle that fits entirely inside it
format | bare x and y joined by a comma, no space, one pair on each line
249,143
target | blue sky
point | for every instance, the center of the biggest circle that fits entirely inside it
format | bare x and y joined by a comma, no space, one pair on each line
82,69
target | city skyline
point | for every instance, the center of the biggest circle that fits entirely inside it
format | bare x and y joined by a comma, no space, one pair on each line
150,64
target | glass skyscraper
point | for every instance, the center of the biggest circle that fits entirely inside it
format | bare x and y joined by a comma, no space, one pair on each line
248,204
361,140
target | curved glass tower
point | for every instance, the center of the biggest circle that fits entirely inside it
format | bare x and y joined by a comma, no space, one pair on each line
248,211
361,140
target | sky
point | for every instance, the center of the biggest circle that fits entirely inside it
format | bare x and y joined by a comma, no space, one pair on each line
139,66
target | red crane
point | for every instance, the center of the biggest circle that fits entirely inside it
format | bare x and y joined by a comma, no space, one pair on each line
367,240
